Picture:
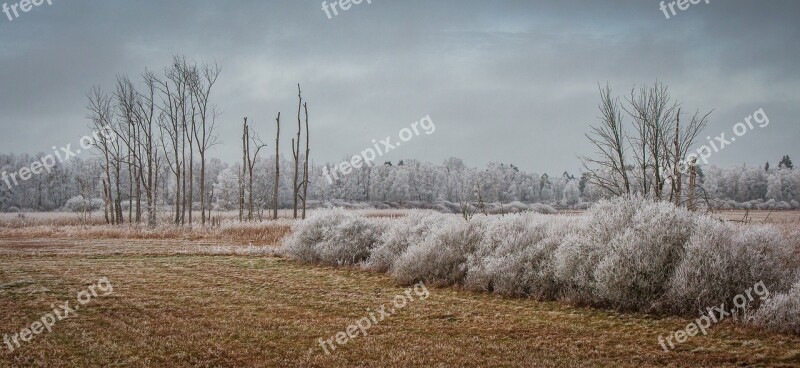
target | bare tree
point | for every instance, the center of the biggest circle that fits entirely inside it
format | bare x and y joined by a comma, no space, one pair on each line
137,112
305,165
653,112
173,124
169,129
658,148
101,115
189,126
204,133
243,173
145,115
296,153
277,168
249,163
609,171
127,136
684,137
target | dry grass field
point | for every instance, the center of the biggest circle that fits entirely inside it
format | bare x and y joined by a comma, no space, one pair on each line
214,300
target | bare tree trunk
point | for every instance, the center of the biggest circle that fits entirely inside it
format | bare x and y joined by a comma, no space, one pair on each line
105,201
131,160
109,198
177,193
202,189
245,154
183,179
677,176
118,201
249,172
277,169
210,200
153,205
146,107
138,195
296,153
305,166
250,206
191,169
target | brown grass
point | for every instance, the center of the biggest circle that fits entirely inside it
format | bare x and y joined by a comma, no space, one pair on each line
172,309
59,219
256,233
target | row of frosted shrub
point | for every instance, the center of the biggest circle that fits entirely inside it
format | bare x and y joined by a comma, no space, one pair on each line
627,254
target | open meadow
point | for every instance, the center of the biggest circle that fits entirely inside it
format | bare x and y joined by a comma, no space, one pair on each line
231,297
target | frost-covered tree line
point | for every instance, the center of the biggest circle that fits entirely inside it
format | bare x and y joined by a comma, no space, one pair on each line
410,183
753,187
164,124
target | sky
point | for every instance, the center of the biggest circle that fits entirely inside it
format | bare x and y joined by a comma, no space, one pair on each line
503,81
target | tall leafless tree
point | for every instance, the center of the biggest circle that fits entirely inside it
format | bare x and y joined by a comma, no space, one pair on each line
174,124
243,173
277,168
296,154
147,156
305,165
204,132
250,159
653,112
609,170
101,114
684,139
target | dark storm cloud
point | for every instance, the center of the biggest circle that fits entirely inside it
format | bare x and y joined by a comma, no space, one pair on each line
511,81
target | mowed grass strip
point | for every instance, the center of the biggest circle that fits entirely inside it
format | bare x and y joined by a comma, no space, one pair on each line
212,311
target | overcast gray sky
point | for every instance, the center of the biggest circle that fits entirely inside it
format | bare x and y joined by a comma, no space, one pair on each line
509,81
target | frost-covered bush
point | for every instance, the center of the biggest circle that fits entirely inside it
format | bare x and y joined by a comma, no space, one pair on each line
781,313
516,207
441,259
574,263
505,237
414,228
542,208
334,237
639,262
306,235
578,254
608,218
515,258
81,204
723,260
